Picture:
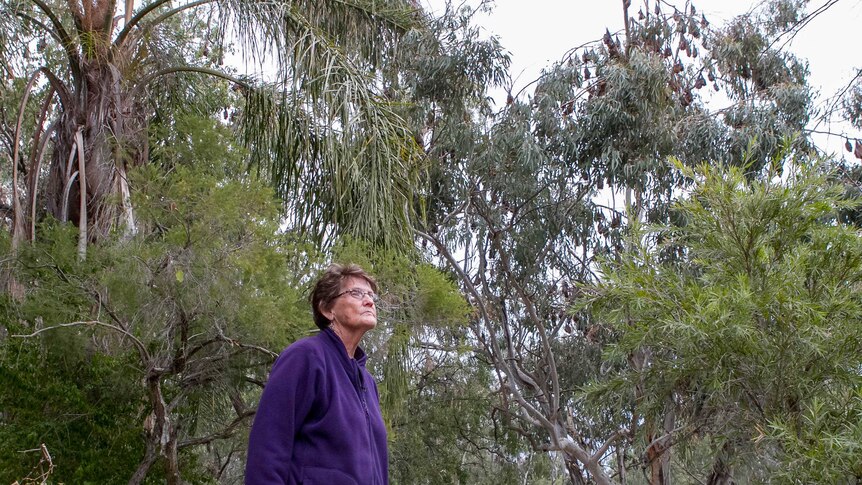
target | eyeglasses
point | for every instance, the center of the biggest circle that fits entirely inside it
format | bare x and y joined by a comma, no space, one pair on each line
359,294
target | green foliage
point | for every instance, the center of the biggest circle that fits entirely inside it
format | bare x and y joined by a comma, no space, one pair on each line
744,52
451,432
333,146
825,444
197,141
84,406
442,74
191,302
759,324
209,238
438,304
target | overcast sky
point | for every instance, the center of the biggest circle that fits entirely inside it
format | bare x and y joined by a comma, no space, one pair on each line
539,32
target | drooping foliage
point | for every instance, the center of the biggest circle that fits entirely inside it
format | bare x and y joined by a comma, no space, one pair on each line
755,331
170,327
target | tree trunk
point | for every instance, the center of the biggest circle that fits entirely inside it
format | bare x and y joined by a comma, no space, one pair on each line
576,475
112,129
658,450
721,473
161,436
657,461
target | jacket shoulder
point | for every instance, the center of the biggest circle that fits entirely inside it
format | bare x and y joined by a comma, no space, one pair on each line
306,352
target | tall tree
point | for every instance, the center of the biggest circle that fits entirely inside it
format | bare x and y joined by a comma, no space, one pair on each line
322,132
527,207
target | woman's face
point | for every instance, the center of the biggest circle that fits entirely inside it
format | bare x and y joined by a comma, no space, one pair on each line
350,313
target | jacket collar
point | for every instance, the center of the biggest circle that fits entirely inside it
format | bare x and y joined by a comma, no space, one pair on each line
359,355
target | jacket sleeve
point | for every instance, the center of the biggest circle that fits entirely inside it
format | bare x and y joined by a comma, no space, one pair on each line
284,405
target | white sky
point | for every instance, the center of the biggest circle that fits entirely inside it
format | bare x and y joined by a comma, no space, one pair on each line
539,32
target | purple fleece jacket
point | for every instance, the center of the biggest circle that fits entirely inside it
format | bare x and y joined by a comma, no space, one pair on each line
319,419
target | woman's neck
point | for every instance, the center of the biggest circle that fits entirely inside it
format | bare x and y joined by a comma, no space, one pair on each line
349,339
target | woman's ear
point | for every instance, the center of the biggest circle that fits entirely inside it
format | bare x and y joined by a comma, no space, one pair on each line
326,312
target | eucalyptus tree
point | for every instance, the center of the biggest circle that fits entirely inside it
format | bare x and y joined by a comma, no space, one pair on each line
673,84
533,203
445,427
321,131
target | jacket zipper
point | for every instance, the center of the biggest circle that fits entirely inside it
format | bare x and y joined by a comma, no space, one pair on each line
371,444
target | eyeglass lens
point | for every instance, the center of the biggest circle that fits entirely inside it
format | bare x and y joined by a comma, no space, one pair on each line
359,294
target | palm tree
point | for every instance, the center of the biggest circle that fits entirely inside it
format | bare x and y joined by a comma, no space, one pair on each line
88,82
320,130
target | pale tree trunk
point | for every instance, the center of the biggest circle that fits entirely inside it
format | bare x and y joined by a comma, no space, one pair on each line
15,288
82,184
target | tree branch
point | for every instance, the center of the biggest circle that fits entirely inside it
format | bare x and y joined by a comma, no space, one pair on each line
127,29
142,349
65,39
170,70
225,433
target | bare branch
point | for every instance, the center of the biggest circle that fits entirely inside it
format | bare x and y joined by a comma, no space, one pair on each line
142,349
127,29
600,452
236,343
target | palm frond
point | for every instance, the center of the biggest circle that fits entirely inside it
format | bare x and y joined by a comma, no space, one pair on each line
362,28
321,130
356,178
333,147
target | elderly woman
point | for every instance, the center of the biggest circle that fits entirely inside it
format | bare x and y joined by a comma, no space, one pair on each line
319,418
